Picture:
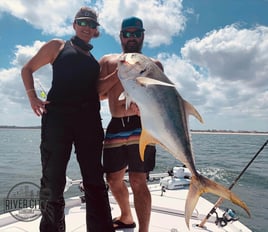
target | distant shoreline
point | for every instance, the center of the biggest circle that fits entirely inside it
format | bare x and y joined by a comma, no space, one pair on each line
192,131
220,132
20,127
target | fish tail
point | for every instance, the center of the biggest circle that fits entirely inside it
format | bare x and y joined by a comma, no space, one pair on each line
199,185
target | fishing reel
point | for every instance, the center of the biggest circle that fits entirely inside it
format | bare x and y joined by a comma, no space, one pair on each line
228,216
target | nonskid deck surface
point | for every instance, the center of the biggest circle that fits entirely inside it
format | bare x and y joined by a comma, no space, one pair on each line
167,215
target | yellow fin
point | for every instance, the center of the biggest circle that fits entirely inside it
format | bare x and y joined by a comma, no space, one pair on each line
145,139
189,108
199,185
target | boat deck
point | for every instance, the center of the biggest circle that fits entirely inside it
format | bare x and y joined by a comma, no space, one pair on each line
167,215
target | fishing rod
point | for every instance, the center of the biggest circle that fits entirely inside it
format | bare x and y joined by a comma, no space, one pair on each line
220,200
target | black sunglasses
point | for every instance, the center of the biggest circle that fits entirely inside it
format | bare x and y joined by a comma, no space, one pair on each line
128,34
85,22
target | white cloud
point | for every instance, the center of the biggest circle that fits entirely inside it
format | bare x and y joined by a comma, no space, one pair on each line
232,54
51,17
224,75
162,19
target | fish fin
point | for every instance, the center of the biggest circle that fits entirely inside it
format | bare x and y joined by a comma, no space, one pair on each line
191,201
145,139
189,108
125,96
199,185
128,102
122,96
145,81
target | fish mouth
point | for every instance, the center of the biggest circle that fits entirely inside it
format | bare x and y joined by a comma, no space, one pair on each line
128,58
131,63
122,59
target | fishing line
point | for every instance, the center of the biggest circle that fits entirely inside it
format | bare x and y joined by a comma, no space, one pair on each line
220,200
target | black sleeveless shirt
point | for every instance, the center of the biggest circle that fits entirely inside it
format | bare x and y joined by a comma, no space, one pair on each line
75,78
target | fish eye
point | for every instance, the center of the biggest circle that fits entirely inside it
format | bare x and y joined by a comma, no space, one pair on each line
142,71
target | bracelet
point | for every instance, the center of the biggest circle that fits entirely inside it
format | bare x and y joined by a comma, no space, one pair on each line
29,90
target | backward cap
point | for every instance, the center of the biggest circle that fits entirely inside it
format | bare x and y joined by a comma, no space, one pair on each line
87,13
132,22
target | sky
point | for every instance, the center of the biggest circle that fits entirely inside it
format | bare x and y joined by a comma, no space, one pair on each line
215,51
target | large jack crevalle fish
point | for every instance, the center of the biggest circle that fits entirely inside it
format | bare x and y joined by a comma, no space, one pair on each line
164,117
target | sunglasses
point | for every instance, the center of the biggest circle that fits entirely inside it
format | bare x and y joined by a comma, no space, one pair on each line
135,34
84,23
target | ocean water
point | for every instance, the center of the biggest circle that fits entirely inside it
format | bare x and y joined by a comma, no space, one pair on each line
220,157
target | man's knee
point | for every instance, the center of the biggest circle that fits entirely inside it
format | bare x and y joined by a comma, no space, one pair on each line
115,178
138,181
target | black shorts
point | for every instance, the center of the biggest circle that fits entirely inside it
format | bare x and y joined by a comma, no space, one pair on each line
121,147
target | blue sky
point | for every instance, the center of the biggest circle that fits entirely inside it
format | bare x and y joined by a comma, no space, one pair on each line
214,51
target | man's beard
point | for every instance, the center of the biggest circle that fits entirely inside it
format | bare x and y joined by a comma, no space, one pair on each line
132,46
